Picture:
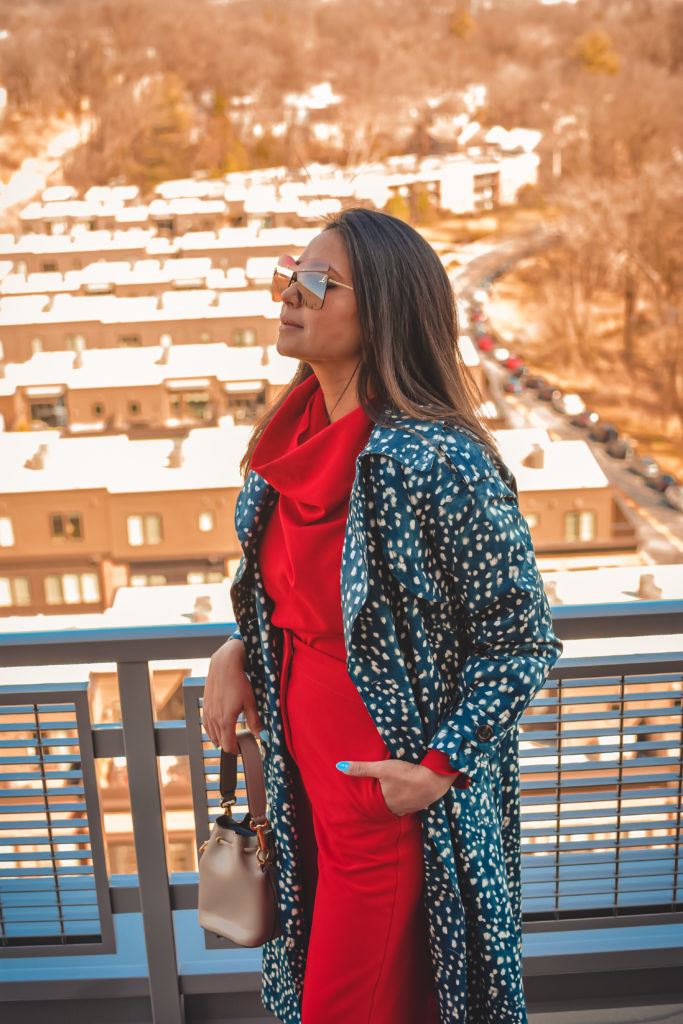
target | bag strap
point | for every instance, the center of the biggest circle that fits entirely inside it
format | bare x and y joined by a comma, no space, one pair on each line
253,776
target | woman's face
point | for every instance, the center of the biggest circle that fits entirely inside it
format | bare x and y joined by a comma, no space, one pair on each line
328,339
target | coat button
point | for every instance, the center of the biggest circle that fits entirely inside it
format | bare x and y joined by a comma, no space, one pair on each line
484,733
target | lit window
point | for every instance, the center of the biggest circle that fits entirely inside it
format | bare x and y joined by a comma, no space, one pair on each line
155,579
205,337
144,530
53,590
66,526
579,526
14,591
7,532
90,588
72,588
245,336
532,519
206,521
205,577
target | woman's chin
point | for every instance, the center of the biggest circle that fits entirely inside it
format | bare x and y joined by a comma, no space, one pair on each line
286,345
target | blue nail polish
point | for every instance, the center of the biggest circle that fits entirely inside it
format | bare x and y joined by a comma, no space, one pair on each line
263,736
343,766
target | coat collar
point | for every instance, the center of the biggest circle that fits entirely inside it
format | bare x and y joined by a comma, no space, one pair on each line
411,442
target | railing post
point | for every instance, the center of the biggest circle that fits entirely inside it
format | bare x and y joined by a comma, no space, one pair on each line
150,850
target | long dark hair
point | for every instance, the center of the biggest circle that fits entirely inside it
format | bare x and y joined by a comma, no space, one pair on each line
409,329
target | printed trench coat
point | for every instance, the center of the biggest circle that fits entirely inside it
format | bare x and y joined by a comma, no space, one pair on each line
448,636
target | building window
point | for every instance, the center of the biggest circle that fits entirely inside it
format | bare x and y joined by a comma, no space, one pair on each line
129,341
98,409
144,530
205,337
579,526
245,336
134,408
49,268
197,403
72,588
7,532
66,526
532,520
155,579
206,522
36,345
14,590
205,577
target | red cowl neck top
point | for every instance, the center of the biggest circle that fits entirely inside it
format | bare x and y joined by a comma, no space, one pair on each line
311,463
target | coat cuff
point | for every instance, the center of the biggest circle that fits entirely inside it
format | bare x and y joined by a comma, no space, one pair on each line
460,750
437,762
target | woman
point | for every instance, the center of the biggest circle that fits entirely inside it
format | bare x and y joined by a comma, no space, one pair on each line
393,628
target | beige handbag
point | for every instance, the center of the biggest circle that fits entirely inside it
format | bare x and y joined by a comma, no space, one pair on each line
237,896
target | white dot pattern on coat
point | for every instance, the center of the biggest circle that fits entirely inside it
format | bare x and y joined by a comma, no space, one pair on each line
449,636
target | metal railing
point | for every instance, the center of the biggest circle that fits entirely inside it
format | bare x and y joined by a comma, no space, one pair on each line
601,790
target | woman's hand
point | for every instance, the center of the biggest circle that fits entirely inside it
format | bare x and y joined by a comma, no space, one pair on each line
227,693
406,787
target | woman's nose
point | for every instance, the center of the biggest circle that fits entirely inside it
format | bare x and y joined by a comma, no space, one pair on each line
291,294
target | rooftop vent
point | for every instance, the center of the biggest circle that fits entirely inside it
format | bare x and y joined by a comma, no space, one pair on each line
550,587
202,609
37,460
647,588
78,357
175,456
166,342
535,458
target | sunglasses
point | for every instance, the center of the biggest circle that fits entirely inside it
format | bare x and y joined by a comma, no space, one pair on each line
312,282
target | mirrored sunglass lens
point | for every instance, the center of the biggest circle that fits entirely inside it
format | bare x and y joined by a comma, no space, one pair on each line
281,279
312,286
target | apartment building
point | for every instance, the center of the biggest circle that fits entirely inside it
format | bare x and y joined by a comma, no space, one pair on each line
568,502
164,388
227,247
81,517
34,323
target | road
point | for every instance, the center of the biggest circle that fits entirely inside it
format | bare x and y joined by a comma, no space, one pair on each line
659,526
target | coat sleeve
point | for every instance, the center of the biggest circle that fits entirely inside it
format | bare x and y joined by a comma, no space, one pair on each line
482,544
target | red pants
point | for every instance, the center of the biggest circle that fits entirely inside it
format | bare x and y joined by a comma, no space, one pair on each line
368,957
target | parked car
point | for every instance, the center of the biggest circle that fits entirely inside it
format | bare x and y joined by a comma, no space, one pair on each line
485,342
546,393
674,495
513,385
603,432
520,371
585,419
643,465
536,383
620,449
569,404
514,362
661,482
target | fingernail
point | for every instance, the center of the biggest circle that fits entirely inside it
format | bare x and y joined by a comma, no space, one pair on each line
263,736
343,766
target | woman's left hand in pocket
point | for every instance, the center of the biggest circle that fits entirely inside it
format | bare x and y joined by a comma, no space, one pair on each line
406,787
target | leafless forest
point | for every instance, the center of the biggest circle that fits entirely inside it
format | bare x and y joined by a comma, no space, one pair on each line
171,88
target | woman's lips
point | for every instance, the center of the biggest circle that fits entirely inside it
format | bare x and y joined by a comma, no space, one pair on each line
284,322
